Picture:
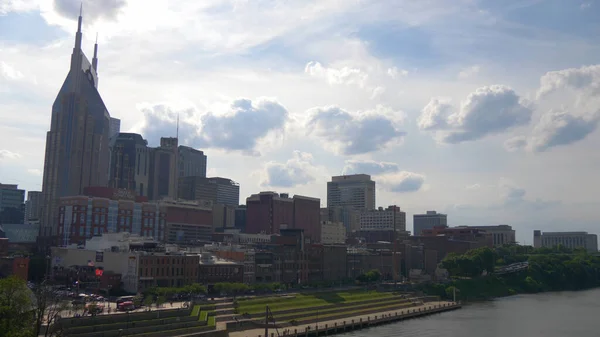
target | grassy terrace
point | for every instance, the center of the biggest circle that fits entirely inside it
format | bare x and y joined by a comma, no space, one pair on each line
323,316
333,311
300,301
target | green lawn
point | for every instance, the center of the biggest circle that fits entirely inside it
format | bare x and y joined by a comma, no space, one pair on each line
336,310
257,305
195,310
324,317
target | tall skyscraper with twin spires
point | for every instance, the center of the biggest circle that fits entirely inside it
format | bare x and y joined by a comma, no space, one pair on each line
77,145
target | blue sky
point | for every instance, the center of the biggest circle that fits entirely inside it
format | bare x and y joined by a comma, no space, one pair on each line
486,110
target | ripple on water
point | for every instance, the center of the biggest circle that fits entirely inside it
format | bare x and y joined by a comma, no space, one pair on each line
564,314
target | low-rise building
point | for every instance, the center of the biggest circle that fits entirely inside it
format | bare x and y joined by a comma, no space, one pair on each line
212,269
391,218
167,270
429,220
461,233
333,233
501,234
569,240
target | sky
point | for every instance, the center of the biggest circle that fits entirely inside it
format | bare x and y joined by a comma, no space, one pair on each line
485,110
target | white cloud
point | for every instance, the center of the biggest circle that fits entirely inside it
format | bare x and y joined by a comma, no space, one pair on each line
402,182
473,187
7,6
560,127
8,155
434,115
469,72
240,129
488,110
515,143
378,91
9,72
350,133
585,79
35,172
387,175
344,75
395,73
299,170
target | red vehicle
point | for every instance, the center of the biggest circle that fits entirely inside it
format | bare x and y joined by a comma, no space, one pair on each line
125,306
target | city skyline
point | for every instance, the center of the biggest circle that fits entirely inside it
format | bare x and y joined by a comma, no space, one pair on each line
312,129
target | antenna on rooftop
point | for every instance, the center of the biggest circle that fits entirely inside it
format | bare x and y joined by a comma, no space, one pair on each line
177,134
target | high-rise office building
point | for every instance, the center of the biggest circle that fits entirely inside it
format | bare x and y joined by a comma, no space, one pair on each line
33,206
347,195
428,221
192,162
129,163
77,153
115,127
356,191
162,179
218,190
12,204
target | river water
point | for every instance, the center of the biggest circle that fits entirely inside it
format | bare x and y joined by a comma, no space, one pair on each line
564,314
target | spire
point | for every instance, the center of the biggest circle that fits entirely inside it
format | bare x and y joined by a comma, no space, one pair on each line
177,134
78,34
95,59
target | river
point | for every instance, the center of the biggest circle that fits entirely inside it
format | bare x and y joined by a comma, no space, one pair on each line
564,314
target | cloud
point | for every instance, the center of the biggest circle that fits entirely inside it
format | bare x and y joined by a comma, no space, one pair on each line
9,72
387,175
298,170
378,91
469,72
473,187
355,133
395,73
585,79
7,6
35,172
488,110
515,144
345,75
402,182
514,197
92,9
239,129
559,127
7,155
434,115
369,167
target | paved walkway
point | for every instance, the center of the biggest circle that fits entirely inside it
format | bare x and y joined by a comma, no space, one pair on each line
330,323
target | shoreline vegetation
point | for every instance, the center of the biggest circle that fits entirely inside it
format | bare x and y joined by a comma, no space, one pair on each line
480,274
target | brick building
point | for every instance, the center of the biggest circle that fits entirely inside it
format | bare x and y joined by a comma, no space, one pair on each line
268,212
107,210
166,270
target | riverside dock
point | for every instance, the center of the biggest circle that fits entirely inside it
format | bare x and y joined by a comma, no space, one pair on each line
337,326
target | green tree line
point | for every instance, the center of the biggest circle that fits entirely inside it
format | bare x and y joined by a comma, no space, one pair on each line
549,269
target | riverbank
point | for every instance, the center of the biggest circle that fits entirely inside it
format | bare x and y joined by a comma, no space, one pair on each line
491,287
330,327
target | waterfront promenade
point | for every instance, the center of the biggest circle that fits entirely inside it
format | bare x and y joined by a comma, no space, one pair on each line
331,327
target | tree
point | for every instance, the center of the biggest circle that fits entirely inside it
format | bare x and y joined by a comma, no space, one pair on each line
148,301
16,304
47,305
160,300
